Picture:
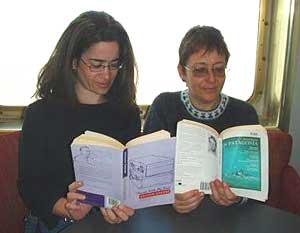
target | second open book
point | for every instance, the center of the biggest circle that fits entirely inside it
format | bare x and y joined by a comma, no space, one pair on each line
238,156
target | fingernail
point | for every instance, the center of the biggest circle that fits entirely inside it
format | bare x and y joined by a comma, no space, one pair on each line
121,207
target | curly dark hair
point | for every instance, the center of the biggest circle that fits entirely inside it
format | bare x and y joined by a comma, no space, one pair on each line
57,78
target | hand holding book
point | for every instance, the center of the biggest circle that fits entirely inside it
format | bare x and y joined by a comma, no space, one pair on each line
138,174
240,159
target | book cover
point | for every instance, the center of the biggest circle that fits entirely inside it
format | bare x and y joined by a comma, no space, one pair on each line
237,156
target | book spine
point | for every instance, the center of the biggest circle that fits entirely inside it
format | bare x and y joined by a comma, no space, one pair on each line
125,163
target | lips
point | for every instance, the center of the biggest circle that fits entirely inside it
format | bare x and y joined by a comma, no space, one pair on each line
210,90
102,85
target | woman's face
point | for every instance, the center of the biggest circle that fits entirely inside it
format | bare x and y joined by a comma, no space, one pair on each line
204,75
97,70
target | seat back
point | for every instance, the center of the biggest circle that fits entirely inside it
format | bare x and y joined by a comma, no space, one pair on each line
12,209
280,146
290,189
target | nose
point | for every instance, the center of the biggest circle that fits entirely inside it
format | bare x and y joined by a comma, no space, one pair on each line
210,75
106,69
105,73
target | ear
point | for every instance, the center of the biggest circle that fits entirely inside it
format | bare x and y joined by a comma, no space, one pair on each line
181,72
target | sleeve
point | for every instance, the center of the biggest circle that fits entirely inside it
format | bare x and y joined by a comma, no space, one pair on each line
154,120
252,116
37,187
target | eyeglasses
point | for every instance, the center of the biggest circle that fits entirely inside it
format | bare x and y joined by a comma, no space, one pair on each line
99,66
202,71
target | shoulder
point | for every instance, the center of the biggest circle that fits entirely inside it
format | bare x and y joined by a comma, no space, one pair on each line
165,104
238,104
42,113
166,99
242,109
35,108
43,106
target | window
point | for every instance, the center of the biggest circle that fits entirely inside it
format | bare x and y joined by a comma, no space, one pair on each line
31,30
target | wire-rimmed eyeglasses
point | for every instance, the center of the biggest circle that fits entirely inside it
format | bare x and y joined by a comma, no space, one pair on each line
99,66
201,70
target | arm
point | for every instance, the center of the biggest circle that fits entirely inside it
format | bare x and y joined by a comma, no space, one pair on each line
44,167
157,116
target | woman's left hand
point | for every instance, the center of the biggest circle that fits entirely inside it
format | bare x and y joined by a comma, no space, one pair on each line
221,194
117,214
74,207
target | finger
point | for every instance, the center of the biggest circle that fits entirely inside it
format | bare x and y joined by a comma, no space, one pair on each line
127,210
105,215
186,208
120,213
219,187
77,211
71,196
188,205
187,195
75,185
112,216
214,192
218,193
225,200
229,194
72,206
188,199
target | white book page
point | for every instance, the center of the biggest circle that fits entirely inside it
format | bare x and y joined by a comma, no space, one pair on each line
100,169
246,166
196,162
155,136
90,137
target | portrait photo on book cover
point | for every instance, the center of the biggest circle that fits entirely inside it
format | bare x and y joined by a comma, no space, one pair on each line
212,145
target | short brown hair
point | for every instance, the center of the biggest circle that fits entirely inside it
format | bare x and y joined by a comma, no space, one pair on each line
202,37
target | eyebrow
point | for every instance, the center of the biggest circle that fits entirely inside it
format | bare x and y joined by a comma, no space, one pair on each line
204,63
101,60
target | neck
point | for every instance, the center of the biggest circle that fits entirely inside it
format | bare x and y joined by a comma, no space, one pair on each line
85,96
203,106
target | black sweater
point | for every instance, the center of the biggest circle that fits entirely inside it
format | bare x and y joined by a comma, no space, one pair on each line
45,163
168,109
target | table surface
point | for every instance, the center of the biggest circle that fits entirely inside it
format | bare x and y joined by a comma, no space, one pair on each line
253,217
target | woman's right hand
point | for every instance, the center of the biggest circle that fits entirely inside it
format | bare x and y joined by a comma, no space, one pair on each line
188,201
117,214
74,207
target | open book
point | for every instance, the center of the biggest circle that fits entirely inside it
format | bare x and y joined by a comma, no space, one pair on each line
139,174
238,156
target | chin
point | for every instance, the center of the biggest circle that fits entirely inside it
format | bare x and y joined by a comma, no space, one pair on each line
210,98
102,91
